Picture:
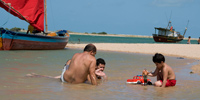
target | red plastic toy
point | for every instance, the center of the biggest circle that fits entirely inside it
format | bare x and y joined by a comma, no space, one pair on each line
138,80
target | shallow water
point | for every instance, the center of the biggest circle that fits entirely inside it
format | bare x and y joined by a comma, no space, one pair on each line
115,39
15,65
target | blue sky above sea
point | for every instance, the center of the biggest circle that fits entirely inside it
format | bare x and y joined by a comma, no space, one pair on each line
131,17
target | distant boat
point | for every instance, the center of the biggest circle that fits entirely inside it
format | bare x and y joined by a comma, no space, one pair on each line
32,11
168,35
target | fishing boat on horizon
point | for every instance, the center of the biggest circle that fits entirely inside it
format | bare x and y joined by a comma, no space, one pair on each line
168,34
33,12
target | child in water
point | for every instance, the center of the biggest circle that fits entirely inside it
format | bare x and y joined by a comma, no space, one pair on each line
165,74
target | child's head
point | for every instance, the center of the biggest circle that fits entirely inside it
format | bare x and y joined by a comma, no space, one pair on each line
100,64
158,58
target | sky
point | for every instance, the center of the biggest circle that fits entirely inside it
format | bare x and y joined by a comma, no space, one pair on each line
130,17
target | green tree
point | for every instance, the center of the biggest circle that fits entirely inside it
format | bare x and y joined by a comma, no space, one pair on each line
94,33
7,28
103,33
15,29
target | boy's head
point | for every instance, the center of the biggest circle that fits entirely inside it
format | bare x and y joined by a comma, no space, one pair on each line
158,58
100,64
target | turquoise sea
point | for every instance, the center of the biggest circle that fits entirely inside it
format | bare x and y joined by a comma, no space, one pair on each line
115,39
14,65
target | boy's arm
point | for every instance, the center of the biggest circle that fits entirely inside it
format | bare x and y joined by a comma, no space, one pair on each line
98,72
154,73
165,74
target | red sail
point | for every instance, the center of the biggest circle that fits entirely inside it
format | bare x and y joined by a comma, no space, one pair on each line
31,11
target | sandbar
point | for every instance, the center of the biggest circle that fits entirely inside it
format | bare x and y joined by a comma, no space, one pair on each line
179,50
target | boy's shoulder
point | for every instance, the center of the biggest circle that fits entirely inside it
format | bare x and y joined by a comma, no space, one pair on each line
167,67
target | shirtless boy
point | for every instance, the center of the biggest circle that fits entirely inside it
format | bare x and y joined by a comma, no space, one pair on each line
165,74
100,66
81,65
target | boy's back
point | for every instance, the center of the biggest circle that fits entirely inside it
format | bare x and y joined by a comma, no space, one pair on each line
168,71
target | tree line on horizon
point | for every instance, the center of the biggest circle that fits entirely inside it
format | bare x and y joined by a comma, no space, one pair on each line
15,29
102,33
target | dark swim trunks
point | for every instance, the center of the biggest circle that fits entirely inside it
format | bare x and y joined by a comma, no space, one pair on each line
169,83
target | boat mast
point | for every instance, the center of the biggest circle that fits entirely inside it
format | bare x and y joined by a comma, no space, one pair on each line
186,28
45,14
169,23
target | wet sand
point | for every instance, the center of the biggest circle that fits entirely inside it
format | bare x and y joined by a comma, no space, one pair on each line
196,69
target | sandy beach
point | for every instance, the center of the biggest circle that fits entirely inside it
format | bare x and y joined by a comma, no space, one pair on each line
178,50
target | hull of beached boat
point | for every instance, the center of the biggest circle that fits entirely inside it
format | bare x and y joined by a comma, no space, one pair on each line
19,41
167,39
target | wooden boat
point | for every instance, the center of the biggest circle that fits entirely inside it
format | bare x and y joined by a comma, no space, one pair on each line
168,35
32,11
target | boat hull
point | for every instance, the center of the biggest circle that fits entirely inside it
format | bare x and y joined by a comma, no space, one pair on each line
167,39
19,41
